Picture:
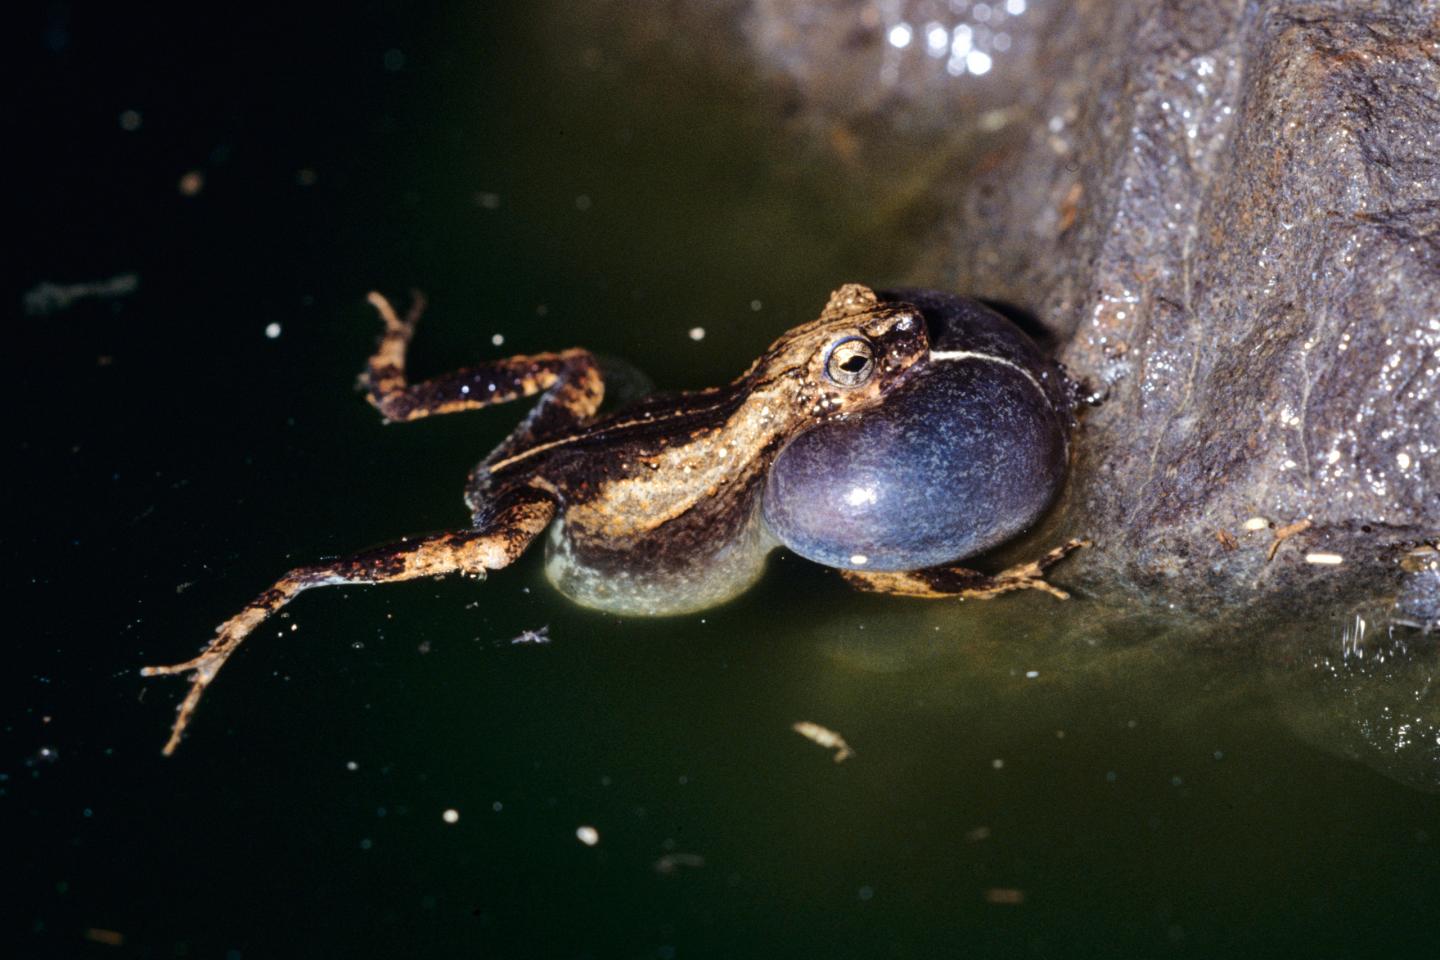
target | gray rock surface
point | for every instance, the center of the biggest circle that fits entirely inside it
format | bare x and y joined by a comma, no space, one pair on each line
1245,246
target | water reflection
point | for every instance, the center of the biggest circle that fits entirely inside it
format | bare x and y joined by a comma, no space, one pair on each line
1362,687
1357,683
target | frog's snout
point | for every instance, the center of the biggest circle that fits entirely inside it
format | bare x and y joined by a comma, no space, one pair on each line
902,339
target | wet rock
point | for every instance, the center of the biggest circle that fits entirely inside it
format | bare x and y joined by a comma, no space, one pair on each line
1238,230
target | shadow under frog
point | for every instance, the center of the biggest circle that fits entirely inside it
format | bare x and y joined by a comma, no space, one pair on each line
891,437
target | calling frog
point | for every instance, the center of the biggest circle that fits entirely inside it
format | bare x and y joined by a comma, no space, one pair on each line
898,433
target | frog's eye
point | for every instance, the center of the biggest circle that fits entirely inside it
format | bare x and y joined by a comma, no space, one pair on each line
850,362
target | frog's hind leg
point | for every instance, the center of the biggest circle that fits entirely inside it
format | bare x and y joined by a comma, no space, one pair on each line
569,379
472,552
940,582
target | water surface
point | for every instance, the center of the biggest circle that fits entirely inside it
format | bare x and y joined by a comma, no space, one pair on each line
1056,780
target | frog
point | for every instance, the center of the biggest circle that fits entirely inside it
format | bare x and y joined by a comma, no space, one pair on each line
661,507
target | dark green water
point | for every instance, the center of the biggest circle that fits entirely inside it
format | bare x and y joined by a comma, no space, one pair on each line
1138,796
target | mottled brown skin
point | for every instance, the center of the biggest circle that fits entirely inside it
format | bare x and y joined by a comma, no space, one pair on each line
657,495
936,583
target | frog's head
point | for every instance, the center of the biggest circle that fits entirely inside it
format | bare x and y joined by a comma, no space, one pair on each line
852,357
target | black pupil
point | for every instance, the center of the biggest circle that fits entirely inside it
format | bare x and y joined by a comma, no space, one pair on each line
854,363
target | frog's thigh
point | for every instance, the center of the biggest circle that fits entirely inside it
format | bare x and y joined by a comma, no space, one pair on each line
491,547
571,380
941,582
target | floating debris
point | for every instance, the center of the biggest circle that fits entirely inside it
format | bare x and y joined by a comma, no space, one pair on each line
1256,523
671,862
1325,559
47,298
111,938
587,835
541,636
451,815
824,736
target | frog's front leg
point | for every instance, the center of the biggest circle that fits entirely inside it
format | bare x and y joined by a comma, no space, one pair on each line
939,582
569,379
503,538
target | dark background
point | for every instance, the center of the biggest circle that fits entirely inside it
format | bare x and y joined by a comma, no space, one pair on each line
542,180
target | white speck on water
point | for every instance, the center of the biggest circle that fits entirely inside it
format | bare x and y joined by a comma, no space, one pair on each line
451,815
498,339
272,330
859,559
540,636
351,765
1256,523
900,36
997,764
1032,674
697,333
756,306
978,61
587,835
1325,559
1404,460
